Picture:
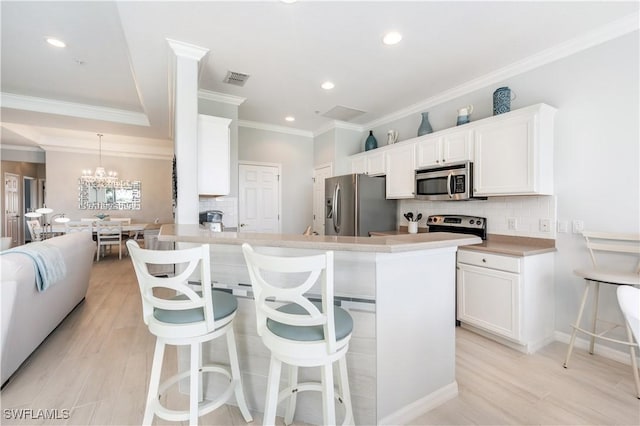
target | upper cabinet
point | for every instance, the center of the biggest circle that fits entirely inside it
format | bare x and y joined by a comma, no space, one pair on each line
400,171
514,153
445,147
213,155
371,163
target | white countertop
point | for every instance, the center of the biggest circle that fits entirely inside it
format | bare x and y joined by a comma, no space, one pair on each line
378,244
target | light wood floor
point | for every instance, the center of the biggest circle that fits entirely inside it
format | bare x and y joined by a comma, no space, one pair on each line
96,366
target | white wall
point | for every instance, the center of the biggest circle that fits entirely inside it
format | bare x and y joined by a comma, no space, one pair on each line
597,156
295,155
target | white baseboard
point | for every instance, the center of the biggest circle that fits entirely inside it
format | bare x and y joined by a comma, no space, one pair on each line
622,356
417,408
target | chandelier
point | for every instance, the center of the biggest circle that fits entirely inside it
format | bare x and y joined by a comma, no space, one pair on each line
100,176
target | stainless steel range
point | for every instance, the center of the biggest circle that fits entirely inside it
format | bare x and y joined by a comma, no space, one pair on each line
470,225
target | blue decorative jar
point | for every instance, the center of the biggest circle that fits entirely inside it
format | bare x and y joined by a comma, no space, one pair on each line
371,142
501,100
425,126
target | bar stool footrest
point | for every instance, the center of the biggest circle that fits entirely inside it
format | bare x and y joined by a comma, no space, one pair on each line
204,407
313,386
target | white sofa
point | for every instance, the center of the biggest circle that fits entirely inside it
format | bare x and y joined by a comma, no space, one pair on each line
29,316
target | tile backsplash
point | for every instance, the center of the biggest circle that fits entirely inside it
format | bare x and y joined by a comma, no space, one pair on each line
227,205
525,211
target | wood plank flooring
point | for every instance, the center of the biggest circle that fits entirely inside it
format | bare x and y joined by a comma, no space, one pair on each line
96,366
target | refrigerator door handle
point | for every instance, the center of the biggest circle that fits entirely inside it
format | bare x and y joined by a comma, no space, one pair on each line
336,208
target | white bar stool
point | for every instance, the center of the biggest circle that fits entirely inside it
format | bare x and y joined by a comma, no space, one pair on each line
594,276
299,332
190,318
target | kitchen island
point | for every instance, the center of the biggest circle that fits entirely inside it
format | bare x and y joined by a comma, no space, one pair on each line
400,291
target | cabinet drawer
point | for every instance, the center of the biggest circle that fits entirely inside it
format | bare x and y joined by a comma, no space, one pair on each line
488,260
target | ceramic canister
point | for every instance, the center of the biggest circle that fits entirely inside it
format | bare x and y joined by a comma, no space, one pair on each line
501,100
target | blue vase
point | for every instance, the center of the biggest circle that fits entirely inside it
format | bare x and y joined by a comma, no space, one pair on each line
425,126
371,142
501,100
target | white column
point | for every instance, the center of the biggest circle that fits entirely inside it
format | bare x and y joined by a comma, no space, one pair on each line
185,112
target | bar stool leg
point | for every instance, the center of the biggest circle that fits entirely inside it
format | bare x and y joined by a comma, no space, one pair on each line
594,320
634,363
194,381
328,397
273,390
585,294
344,391
235,373
154,382
291,405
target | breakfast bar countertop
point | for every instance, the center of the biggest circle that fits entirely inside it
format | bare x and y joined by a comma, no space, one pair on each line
377,244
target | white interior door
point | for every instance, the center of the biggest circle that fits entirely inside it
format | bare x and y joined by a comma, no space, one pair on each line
259,201
319,175
12,208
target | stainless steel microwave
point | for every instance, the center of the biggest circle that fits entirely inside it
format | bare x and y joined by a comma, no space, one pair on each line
445,183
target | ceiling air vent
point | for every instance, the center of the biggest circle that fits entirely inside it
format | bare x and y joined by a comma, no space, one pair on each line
342,113
236,78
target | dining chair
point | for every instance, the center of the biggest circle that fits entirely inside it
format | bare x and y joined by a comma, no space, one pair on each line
108,234
606,250
180,316
300,332
35,230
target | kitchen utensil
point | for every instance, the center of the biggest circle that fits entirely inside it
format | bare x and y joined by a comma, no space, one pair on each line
419,217
406,216
410,216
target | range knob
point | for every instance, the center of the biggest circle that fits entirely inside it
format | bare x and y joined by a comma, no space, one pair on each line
472,221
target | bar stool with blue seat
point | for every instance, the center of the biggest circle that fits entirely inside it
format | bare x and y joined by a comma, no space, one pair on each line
599,244
300,332
186,318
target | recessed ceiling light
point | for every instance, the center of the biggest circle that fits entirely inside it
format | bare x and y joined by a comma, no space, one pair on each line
327,85
290,118
392,37
55,42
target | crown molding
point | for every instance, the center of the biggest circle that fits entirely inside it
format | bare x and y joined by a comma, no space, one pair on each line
616,29
337,124
160,155
273,128
50,106
220,97
20,147
187,50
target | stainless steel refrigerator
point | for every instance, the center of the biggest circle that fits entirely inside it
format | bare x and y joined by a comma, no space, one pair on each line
356,204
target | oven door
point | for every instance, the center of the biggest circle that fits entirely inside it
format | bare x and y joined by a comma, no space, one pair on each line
444,183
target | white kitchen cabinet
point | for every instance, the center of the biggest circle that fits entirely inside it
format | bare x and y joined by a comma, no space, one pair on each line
445,147
371,163
213,155
508,298
514,153
400,171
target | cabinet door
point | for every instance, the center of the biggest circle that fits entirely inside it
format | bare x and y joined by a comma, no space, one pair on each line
213,155
505,157
359,164
489,299
376,164
456,146
400,165
429,152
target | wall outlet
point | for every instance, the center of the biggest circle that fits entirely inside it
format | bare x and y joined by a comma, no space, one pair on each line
512,223
544,225
577,226
563,226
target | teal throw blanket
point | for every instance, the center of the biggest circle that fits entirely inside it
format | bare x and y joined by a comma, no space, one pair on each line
47,261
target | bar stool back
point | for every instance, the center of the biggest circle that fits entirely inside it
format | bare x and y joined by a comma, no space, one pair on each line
300,332
600,243
188,318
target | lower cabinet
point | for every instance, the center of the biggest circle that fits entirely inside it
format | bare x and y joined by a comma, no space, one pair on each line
510,298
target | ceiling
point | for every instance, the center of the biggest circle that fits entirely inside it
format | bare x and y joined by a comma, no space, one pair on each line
113,75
